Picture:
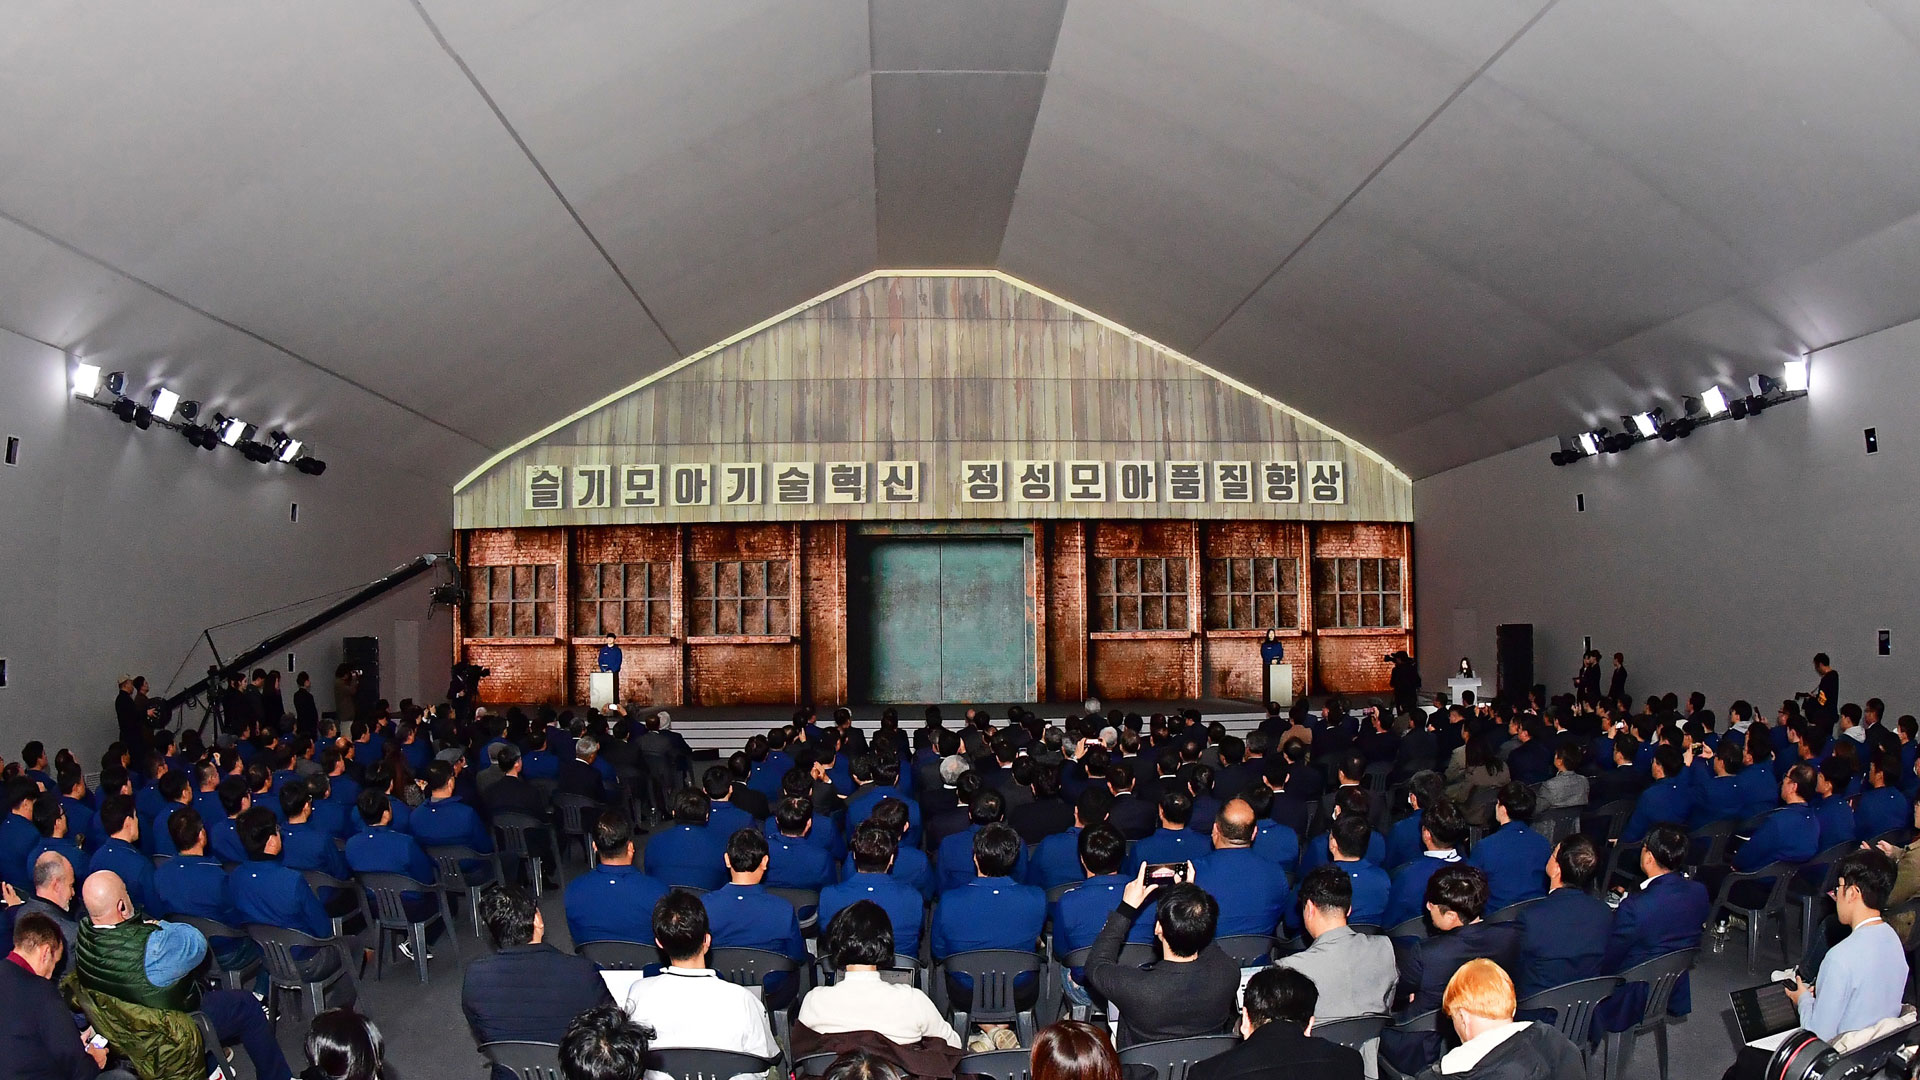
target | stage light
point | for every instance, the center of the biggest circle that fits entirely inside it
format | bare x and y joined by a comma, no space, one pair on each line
1737,408
232,429
1589,441
165,402
1763,385
311,466
285,447
1647,424
132,412
189,411
1713,400
1796,376
86,380
202,437
116,381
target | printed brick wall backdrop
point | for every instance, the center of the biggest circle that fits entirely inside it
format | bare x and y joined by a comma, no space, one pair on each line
522,674
1065,644
649,674
1354,665
1153,669
743,674
823,610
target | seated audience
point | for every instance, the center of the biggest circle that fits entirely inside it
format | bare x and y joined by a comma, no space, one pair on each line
1190,990
1883,807
1277,1015
874,849
52,896
1355,973
1668,798
1350,799
527,990
1662,914
222,839
1493,1045
858,943
1563,938
604,1043
579,776
1252,892
910,864
1833,810
953,861
689,853
1456,902
1442,832
1513,856
797,863
383,849
447,821
38,1037
743,915
1081,911
50,821
1172,842
1790,833
990,910
1403,838
1046,813
688,1004
1566,787
1347,842
343,1045
121,854
1862,976
1074,1050
512,791
1056,859
1133,815
613,901
194,883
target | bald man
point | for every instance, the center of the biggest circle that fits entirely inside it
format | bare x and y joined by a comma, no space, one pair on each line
169,953
1253,893
53,897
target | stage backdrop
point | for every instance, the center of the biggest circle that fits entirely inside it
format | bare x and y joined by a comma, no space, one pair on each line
932,486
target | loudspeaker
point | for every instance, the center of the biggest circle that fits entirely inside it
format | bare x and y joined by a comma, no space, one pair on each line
363,653
1513,673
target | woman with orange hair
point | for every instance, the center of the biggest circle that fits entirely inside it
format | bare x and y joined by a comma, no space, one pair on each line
1495,1046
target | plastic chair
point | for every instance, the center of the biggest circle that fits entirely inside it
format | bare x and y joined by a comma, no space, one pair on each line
1660,974
1711,839
526,1060
1558,823
1774,907
806,905
320,879
575,824
906,971
750,968
694,1063
1627,855
210,1045
447,860
1171,1058
230,978
285,973
993,973
1804,891
1415,927
1512,911
1354,1031
1367,928
815,1064
1573,1005
1060,890
1616,814
997,1065
392,923
510,835
619,955
1251,950
1425,1021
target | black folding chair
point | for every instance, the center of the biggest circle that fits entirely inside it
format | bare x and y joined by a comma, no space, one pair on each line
619,955
512,834
1778,875
1171,1058
210,1044
1814,881
1354,1031
750,968
577,814
230,978
1573,1005
526,1060
1415,927
448,860
1660,974
1250,950
806,905
392,923
286,974
1512,911
998,1065
702,1064
993,973
1558,823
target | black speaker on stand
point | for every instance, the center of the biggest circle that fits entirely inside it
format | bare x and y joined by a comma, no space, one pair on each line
1513,648
363,653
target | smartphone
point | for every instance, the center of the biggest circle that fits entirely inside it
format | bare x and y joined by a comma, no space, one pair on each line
1166,873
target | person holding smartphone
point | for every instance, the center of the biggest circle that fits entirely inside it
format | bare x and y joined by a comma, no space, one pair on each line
1192,989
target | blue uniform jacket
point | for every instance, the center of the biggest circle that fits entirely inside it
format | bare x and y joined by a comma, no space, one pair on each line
1370,888
793,863
1669,800
1315,854
1515,860
539,765
1789,834
1277,844
988,913
1170,846
1563,938
1759,791
910,867
386,850
687,855
307,846
750,917
1056,860
726,819
1082,910
612,903
1253,893
953,864
1407,893
1881,809
223,841
1835,815
824,834
18,838
902,903
264,891
133,867
1403,841
195,885
82,823
76,858
1665,914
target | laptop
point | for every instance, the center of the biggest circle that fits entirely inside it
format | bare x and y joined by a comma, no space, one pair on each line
1764,1013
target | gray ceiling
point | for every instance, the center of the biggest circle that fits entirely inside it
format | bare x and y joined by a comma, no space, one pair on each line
423,230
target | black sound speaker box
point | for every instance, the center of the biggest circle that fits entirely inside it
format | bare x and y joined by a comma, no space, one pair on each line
363,653
1513,676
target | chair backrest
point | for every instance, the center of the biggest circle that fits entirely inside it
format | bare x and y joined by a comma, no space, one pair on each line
619,955
1352,1031
993,972
748,967
1617,814
209,1042
1060,890
1573,1005
1868,1059
703,1064
1370,929
1133,954
320,879
814,1064
1715,835
1415,927
511,830
526,1060
801,899
388,892
1512,911
1425,1021
1558,823
998,1065
1171,1058
1660,974
276,952
572,810
209,928
1246,948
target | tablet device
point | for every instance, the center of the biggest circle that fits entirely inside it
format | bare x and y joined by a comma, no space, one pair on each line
1764,1010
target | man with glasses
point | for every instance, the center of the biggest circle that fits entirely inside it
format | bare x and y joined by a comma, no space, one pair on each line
1863,976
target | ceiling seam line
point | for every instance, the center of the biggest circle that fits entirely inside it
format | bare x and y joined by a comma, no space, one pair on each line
24,336
873,134
1473,77
546,177
1026,153
235,327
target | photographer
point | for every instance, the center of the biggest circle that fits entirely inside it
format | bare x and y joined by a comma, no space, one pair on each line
1405,681
1191,989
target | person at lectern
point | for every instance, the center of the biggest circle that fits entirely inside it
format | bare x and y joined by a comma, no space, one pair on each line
610,658
1272,651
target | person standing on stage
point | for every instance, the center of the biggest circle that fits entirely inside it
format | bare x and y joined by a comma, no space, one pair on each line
610,658
1272,651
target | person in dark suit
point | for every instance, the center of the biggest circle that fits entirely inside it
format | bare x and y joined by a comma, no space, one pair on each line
578,776
739,771
528,991
1046,813
1456,901
1276,1028
1563,938
306,711
38,1038
1135,817
1513,856
512,792
941,824
1663,913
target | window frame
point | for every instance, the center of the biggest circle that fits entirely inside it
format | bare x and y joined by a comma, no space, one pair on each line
651,627
1252,593
1326,583
709,605
1165,595
493,600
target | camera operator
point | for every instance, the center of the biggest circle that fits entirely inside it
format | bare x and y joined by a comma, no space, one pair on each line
1405,680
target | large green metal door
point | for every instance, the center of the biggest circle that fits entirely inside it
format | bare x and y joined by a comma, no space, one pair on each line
941,620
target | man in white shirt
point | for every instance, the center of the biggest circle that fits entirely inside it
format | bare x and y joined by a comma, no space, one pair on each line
688,1004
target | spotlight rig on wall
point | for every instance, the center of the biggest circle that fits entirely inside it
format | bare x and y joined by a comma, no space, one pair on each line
165,407
1710,406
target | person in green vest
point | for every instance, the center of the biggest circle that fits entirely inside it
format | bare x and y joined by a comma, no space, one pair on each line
138,976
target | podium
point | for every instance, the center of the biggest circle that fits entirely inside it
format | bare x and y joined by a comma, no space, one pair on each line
1280,683
1456,687
600,689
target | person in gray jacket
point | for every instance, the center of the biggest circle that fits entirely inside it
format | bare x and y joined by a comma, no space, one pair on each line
1355,973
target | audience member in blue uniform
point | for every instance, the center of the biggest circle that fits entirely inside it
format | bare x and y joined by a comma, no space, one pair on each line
1403,838
175,792
1173,841
614,900
1347,841
1253,893
1274,842
722,816
1883,806
80,816
1132,814
18,837
1759,779
1661,914
1444,831
264,890
1715,774
953,863
689,853
1513,856
222,839
50,821
875,847
1564,937
1056,860
990,910
1082,909
824,834
194,883
796,864
1834,812
1668,798
1788,834
446,820
325,812
1349,799
382,849
742,914
121,853
911,866
1456,904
